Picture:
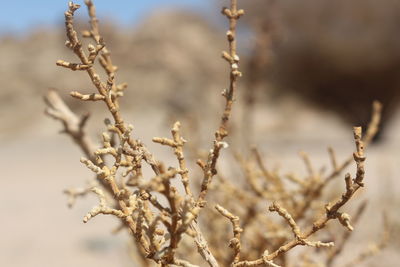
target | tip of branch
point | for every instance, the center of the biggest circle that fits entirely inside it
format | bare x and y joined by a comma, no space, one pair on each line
357,132
377,106
73,6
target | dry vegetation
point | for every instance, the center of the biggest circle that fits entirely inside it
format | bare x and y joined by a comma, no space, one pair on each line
186,217
335,55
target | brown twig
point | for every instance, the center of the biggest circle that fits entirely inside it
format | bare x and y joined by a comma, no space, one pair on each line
233,14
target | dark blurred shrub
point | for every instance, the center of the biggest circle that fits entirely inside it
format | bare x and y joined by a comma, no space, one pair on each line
337,55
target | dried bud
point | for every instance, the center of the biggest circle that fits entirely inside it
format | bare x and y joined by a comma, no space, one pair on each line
230,36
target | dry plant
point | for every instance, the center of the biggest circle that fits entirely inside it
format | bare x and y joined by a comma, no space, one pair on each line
168,219
344,72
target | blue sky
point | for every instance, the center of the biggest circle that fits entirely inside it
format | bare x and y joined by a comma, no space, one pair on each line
20,16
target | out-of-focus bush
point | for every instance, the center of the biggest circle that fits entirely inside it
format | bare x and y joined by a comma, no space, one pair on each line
338,55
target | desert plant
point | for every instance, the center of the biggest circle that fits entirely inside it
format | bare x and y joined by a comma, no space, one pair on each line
164,216
314,55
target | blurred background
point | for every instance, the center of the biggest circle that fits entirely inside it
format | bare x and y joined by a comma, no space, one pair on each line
311,71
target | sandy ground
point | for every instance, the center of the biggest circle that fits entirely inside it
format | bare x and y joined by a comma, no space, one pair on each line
37,228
